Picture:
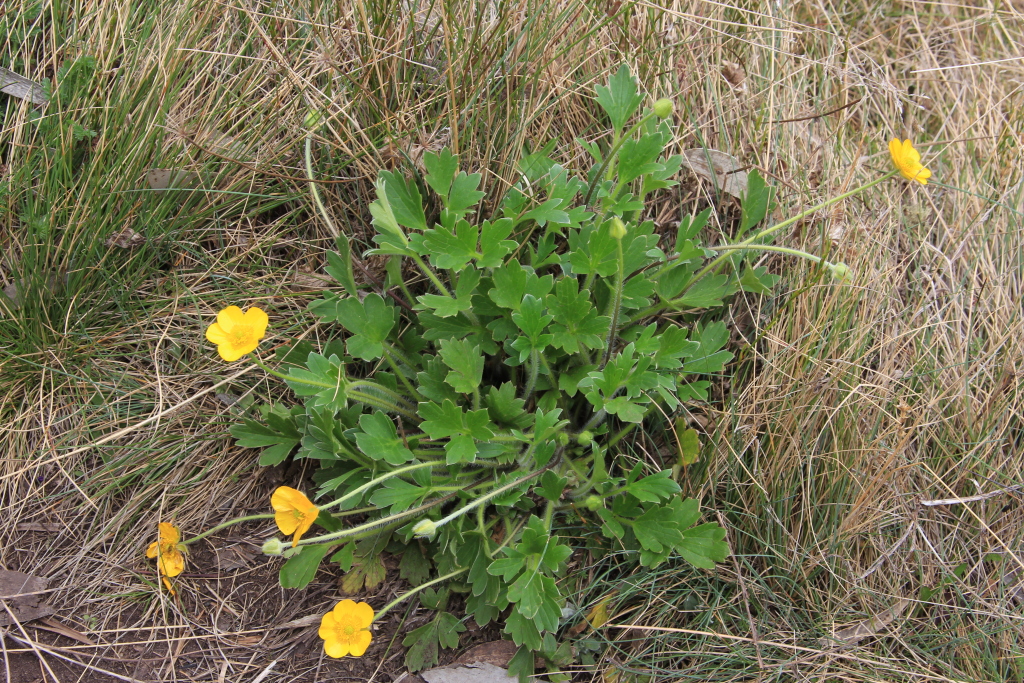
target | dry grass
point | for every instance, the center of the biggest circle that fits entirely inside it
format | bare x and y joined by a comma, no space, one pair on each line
851,404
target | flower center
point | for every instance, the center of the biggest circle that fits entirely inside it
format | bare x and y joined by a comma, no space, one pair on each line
347,628
240,334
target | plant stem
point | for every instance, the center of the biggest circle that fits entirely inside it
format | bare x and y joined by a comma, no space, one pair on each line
534,369
408,594
376,524
616,306
313,188
611,155
237,520
745,244
388,355
378,480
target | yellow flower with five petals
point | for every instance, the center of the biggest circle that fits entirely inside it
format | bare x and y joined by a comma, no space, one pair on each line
908,161
345,629
293,512
236,333
168,553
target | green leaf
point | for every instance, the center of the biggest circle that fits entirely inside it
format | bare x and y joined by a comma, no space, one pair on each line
367,573
706,292
277,444
446,306
657,529
423,642
379,439
505,409
464,194
300,569
757,202
551,486
442,420
758,280
531,318
512,282
620,98
493,243
405,201
689,445
689,226
703,546
547,211
707,357
449,248
322,378
339,265
441,169
460,449
655,488
577,324
398,494
466,363
414,566
626,409
640,157
345,557
370,321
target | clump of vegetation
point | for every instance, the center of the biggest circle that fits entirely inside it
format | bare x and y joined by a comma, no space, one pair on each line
473,405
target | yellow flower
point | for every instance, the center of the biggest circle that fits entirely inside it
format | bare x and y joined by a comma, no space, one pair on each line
294,513
236,333
908,161
169,560
345,629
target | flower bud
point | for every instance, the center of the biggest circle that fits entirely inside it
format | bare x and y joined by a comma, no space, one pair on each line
425,528
663,108
562,438
841,271
593,503
313,119
618,229
585,438
273,546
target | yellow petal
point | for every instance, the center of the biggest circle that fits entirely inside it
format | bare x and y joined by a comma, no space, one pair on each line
910,153
151,551
231,353
923,175
895,151
360,642
303,526
229,317
169,533
216,334
286,522
258,320
335,648
172,563
364,613
327,625
286,499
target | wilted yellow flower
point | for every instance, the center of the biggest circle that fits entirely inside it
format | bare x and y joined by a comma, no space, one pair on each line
236,333
294,513
345,629
169,559
908,161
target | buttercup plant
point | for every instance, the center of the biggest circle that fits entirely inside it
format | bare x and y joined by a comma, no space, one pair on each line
463,422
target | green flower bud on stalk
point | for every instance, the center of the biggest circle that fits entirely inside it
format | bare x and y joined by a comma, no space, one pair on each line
593,503
273,546
562,438
313,119
585,438
841,271
618,229
425,528
663,108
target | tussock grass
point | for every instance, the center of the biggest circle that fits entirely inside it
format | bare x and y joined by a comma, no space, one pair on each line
850,404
